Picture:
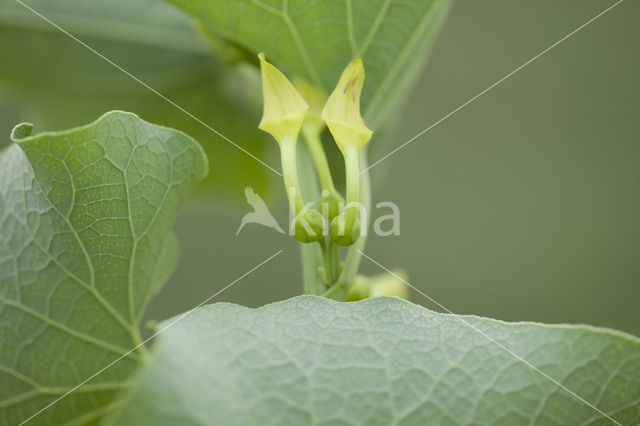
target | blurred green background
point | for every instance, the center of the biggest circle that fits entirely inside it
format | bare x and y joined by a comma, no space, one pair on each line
524,205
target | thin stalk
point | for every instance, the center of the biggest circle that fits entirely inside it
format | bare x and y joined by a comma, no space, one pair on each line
350,267
312,138
311,254
328,266
290,174
334,258
352,172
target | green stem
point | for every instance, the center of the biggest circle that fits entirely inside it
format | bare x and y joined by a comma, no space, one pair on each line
312,137
352,172
334,258
311,254
328,266
351,263
290,174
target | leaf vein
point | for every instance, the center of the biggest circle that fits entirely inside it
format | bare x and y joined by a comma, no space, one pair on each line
74,333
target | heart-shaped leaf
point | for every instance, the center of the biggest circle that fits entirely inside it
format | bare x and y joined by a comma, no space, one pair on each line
85,241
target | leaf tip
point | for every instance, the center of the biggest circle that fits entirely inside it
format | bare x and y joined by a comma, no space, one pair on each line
21,131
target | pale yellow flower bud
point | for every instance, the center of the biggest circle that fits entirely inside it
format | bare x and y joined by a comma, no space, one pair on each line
284,109
342,110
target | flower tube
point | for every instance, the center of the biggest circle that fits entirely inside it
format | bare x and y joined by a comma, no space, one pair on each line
283,113
341,113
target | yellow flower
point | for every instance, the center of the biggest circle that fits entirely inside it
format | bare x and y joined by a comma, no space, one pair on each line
342,110
284,108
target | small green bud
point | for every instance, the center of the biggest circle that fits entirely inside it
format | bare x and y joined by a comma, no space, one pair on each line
342,110
283,107
309,226
338,232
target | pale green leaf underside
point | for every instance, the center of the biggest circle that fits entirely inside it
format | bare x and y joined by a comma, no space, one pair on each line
310,360
140,21
85,241
316,39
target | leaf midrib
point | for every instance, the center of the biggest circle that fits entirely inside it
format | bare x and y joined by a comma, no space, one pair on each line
374,29
413,39
130,328
91,289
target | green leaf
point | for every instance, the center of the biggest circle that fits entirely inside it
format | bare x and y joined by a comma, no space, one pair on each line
310,360
147,22
59,83
85,241
316,40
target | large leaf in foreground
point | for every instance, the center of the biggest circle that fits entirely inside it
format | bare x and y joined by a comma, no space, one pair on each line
317,39
85,241
380,361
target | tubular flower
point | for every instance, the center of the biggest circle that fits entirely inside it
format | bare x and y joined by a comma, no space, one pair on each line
341,113
312,128
282,116
284,109
342,110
